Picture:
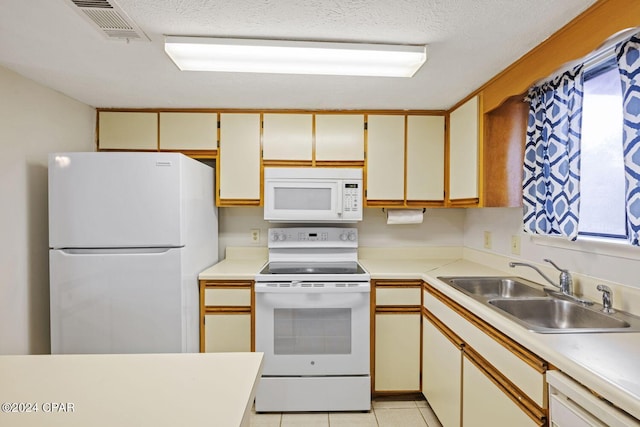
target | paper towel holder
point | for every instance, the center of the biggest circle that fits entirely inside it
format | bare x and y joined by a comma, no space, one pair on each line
423,210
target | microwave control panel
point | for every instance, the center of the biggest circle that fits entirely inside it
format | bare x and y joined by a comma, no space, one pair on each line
352,197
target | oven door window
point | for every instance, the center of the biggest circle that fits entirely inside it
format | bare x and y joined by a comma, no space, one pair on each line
300,331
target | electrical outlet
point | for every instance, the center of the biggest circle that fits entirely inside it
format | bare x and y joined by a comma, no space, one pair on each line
255,235
487,240
515,244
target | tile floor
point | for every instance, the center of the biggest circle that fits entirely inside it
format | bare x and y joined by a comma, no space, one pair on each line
385,413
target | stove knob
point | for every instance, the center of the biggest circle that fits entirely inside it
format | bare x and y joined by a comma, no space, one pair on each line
274,237
352,236
282,237
343,237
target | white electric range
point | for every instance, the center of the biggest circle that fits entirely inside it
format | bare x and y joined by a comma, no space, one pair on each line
312,322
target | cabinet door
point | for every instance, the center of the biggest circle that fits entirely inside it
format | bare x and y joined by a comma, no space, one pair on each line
127,130
484,404
441,374
385,158
397,352
227,332
425,158
339,137
188,131
287,136
239,156
463,151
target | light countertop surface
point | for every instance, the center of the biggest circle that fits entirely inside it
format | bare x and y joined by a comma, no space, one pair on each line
607,363
127,390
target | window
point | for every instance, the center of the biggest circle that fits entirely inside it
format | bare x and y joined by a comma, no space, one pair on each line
602,181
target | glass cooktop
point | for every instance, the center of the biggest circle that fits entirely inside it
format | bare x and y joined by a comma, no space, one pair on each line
312,268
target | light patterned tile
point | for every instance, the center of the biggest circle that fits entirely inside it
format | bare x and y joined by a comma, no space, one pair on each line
305,420
394,404
409,417
265,420
429,416
356,419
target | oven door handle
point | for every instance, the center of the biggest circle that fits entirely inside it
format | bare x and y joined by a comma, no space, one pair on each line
301,289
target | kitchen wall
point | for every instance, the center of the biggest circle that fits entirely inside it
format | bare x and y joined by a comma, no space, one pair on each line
612,262
34,121
441,227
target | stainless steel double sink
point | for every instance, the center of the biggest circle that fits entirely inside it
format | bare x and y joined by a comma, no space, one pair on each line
539,309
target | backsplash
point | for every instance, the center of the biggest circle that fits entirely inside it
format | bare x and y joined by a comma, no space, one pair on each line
441,227
585,259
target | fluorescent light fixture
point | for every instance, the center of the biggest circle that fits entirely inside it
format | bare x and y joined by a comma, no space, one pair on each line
294,57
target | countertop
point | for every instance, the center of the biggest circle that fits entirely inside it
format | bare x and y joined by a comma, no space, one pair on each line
128,390
607,363
239,264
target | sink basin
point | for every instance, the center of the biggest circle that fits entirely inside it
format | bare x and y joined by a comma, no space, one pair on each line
494,287
540,310
551,315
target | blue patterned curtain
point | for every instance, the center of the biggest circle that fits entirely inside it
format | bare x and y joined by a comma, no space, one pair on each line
551,180
628,56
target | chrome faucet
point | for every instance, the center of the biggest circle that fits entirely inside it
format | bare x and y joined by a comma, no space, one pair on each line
566,282
607,299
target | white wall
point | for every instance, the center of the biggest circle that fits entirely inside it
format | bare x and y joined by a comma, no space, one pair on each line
616,264
34,121
441,227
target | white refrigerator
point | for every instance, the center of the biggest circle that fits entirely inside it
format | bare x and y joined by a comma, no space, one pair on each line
128,235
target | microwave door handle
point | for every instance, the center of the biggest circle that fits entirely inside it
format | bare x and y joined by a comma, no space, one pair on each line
340,201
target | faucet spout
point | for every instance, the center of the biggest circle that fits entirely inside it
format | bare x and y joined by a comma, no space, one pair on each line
524,264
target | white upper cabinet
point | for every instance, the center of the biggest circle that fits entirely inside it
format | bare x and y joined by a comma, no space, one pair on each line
464,135
339,137
425,158
188,131
127,130
385,157
287,137
239,156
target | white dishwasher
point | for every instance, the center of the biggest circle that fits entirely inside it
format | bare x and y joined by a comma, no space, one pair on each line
573,405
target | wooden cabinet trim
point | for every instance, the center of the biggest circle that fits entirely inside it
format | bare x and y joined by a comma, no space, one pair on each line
396,283
226,309
448,333
540,365
524,402
398,309
232,284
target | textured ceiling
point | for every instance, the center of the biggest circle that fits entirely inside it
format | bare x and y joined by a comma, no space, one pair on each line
469,42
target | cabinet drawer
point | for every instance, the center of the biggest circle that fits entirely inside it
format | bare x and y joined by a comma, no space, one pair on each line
512,366
391,296
227,297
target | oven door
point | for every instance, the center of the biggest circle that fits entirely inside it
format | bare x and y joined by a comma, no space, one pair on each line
313,331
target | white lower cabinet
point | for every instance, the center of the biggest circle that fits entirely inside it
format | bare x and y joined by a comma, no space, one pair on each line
397,352
441,374
226,316
484,404
473,375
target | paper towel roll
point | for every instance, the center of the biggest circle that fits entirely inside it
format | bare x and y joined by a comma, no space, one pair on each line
405,216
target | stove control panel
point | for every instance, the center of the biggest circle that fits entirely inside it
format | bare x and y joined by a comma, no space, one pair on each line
313,237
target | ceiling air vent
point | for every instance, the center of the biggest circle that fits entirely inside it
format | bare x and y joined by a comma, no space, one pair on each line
109,19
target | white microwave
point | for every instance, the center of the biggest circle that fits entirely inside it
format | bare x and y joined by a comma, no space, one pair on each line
312,194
